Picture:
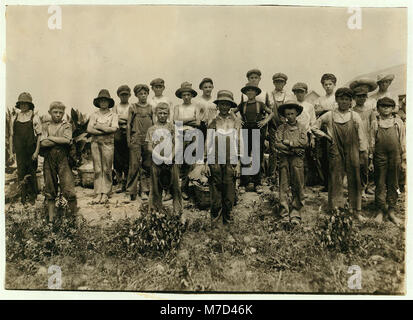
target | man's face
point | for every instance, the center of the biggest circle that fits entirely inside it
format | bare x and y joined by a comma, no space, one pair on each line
329,86
300,95
360,99
254,79
57,114
142,96
291,115
187,97
279,84
158,89
384,85
344,102
207,88
224,107
251,94
162,115
124,97
385,111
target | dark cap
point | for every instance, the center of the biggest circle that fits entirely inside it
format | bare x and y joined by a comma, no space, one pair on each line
386,102
253,71
344,92
279,76
140,87
123,89
205,80
157,82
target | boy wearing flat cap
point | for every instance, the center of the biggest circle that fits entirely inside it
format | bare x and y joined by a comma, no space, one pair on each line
102,126
346,143
384,81
25,134
140,119
223,164
121,157
388,149
291,140
164,173
55,143
254,115
158,87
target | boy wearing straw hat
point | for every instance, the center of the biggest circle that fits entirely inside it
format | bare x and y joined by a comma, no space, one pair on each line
365,85
291,140
139,121
102,126
384,81
25,134
164,173
55,142
223,166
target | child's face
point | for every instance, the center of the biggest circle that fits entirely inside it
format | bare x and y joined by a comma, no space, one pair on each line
300,94
384,85
158,89
291,115
162,115
385,111
142,96
207,88
279,84
329,86
344,103
56,114
187,97
251,94
360,99
254,79
224,107
103,104
124,97
24,107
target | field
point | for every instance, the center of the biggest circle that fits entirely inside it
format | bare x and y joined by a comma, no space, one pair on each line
120,247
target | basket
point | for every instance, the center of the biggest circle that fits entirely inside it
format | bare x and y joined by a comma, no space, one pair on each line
202,197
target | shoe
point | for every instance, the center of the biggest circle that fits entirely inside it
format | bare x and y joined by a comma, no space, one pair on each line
379,217
393,218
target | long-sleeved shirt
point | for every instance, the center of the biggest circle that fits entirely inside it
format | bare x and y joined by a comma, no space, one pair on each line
387,123
367,116
325,103
296,134
307,118
153,101
329,117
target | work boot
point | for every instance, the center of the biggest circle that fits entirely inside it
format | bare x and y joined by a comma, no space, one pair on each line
393,218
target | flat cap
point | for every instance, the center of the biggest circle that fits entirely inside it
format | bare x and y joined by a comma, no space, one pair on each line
385,101
123,89
253,71
300,86
344,92
279,76
140,87
157,82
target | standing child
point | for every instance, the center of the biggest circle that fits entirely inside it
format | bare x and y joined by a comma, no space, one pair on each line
206,101
139,121
164,173
384,81
26,130
121,157
367,85
55,143
158,87
346,143
388,147
102,126
255,115
291,141
223,174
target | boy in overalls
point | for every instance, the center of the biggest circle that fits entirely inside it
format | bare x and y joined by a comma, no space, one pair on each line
388,148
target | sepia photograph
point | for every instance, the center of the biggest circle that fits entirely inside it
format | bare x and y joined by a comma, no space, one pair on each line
206,148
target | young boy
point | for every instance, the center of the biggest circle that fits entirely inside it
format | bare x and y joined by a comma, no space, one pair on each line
55,142
291,141
254,78
255,115
388,148
384,81
306,119
121,157
162,168
346,141
158,87
367,115
276,98
368,86
25,134
223,174
139,121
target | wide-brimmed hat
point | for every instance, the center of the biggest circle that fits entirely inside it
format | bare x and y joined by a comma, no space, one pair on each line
103,94
384,77
250,86
225,95
360,91
185,87
288,105
25,97
363,82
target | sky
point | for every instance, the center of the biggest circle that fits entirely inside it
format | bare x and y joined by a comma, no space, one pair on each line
107,46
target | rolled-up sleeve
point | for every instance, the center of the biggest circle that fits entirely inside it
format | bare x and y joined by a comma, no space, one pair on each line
316,129
67,131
